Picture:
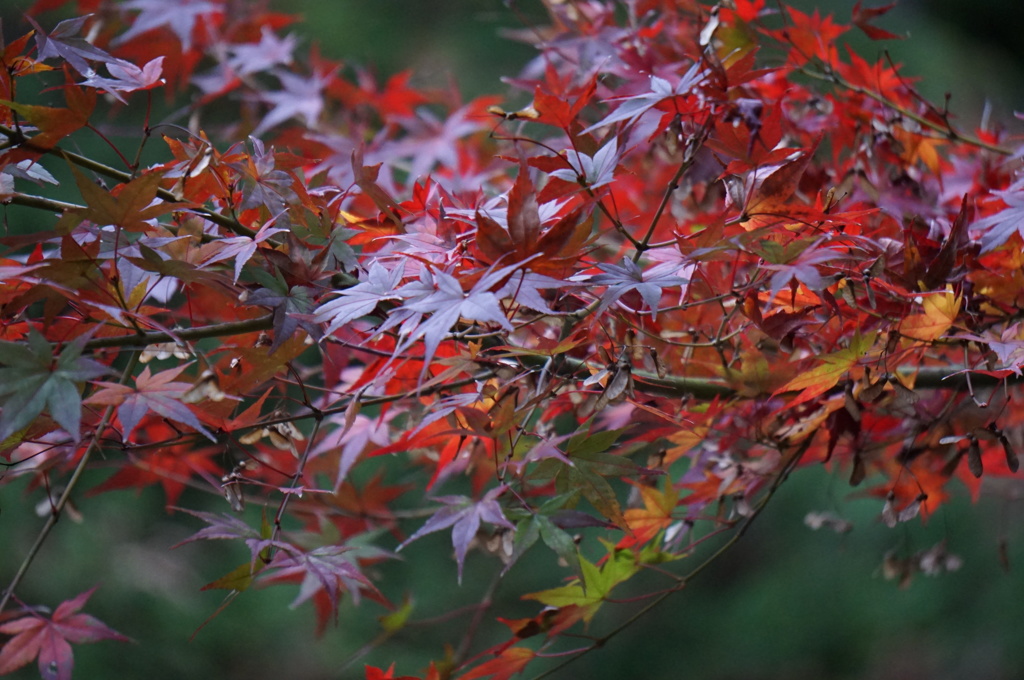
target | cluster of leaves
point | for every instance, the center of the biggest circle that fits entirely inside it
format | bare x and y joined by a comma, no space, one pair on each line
714,248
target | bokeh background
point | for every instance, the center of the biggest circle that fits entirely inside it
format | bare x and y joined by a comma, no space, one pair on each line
785,603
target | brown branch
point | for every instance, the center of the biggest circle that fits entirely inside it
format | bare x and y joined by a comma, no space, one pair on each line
229,223
40,203
261,323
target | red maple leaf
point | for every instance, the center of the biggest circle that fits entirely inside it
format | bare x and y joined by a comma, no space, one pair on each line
51,638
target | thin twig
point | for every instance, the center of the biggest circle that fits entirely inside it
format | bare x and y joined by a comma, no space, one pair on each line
58,508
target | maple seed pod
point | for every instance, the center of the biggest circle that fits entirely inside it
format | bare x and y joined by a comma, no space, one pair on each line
827,520
252,436
528,113
230,485
889,511
163,350
206,387
974,463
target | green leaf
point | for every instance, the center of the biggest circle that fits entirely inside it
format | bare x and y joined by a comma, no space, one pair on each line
32,381
593,588
561,542
396,620
238,579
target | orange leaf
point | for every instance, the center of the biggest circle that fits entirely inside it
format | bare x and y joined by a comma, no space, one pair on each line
940,311
826,375
508,663
655,516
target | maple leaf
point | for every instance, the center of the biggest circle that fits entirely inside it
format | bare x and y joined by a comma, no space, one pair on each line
441,296
772,185
826,375
997,228
628,276
1007,346
51,638
519,233
589,466
508,663
133,206
27,169
63,43
240,248
330,569
299,97
802,268
656,515
539,525
170,468
352,441
591,171
180,17
940,312
374,673
862,16
632,108
811,36
436,142
52,124
377,285
33,380
291,311
157,393
263,185
127,77
464,516
248,58
589,592
229,527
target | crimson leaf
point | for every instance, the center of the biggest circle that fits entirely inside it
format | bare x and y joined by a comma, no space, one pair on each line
50,639
156,393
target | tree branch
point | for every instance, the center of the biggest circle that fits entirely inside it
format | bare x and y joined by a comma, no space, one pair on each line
58,509
261,323
229,223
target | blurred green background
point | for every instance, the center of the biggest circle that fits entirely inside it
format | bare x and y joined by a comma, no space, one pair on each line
786,603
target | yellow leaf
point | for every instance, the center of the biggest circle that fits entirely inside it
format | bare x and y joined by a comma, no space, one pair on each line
656,514
595,587
826,375
684,441
939,312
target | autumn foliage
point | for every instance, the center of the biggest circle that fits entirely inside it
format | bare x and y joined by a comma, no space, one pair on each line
707,247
